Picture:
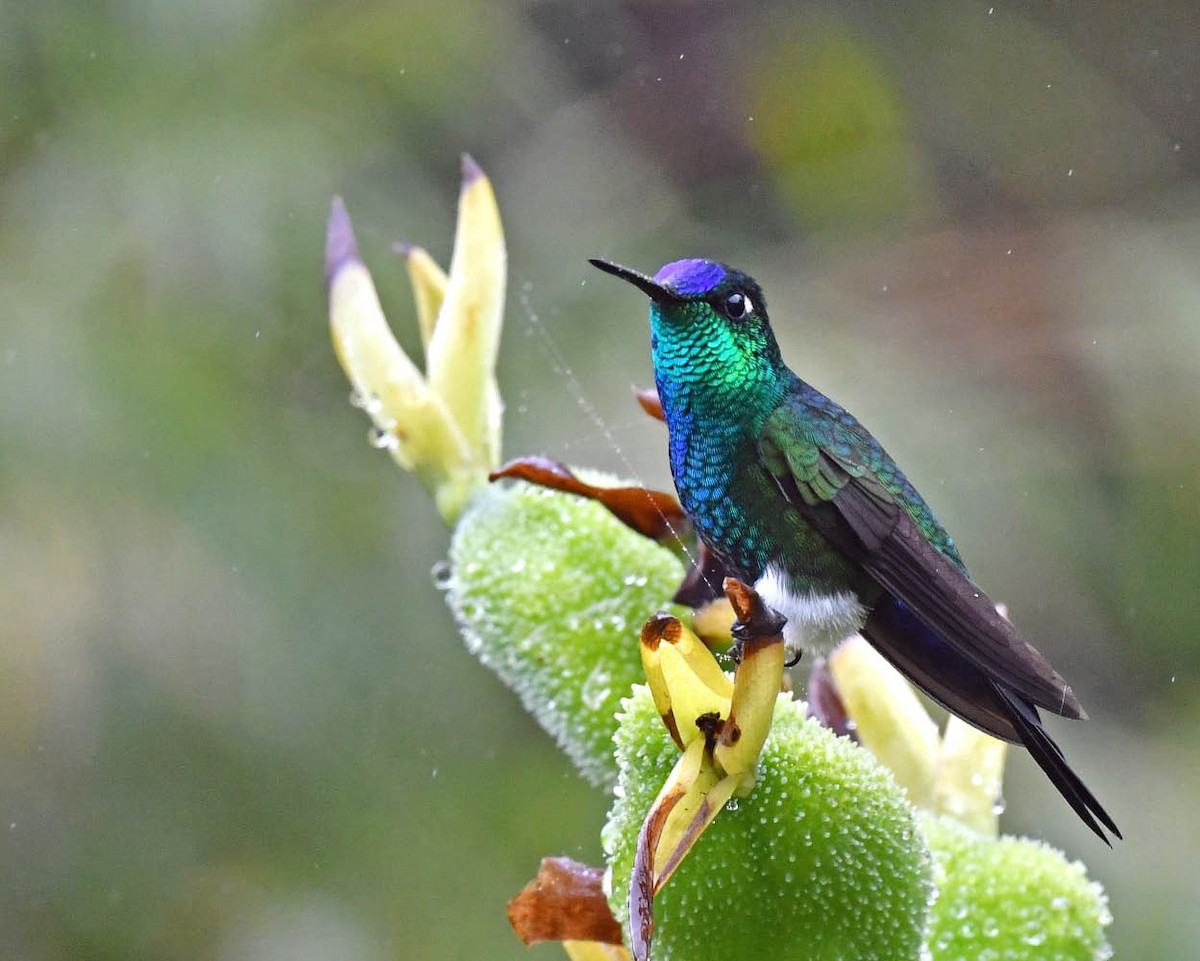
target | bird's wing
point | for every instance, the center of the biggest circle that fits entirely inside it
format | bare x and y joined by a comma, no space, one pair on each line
831,474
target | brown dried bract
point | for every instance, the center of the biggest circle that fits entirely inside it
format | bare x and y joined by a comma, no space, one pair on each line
654,514
642,883
565,902
658,628
825,703
647,397
702,582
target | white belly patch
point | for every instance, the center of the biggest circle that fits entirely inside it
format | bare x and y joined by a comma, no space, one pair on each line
815,622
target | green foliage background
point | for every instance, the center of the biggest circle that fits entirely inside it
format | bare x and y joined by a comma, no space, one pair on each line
235,719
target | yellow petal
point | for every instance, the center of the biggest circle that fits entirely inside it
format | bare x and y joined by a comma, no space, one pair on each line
429,288
692,700
970,777
686,683
699,658
595,951
756,685
689,819
712,622
429,284
640,902
676,804
889,718
651,642
693,795
466,338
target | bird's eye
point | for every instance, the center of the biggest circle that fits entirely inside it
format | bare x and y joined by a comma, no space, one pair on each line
738,306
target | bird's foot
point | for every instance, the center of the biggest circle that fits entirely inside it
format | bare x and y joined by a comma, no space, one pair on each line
754,618
743,632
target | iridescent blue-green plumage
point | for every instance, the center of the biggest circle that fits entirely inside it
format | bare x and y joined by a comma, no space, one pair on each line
725,397
794,495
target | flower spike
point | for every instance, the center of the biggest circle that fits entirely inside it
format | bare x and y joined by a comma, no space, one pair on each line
445,427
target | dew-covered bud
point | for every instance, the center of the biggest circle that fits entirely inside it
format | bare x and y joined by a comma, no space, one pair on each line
824,859
550,591
1011,899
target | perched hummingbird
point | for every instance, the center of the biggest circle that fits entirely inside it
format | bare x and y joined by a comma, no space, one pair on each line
794,495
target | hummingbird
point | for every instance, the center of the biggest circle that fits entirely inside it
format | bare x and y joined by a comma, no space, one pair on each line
793,495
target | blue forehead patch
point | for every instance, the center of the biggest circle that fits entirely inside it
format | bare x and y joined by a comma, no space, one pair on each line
690,276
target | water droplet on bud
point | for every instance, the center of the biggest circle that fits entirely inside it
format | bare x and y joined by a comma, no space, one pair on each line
596,689
442,573
382,439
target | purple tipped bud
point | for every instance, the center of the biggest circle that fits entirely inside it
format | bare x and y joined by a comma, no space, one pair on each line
470,170
341,248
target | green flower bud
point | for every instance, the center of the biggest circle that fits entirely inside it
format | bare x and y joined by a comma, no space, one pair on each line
1011,899
550,592
824,859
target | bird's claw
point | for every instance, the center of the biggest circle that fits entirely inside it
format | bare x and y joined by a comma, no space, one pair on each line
754,618
762,621
747,632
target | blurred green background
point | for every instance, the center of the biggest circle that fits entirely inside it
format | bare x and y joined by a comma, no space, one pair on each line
235,719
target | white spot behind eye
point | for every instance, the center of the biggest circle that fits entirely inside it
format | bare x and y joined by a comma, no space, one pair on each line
738,305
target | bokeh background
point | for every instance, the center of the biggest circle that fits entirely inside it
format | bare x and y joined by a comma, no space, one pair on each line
236,721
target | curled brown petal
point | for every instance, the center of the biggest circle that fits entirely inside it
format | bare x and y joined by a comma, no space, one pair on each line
641,884
565,902
825,703
653,514
649,400
702,583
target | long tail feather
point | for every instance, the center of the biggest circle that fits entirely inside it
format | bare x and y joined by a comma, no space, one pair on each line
1051,760
960,687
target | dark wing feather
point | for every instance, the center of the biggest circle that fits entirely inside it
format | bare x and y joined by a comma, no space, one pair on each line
917,653
834,486
962,688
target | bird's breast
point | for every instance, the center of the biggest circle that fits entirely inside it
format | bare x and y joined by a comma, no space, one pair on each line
731,502
740,512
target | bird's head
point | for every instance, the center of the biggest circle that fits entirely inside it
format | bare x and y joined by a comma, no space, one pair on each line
709,324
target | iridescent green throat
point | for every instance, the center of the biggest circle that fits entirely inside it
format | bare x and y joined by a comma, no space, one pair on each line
709,371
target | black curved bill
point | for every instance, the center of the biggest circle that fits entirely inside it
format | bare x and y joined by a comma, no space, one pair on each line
655,291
